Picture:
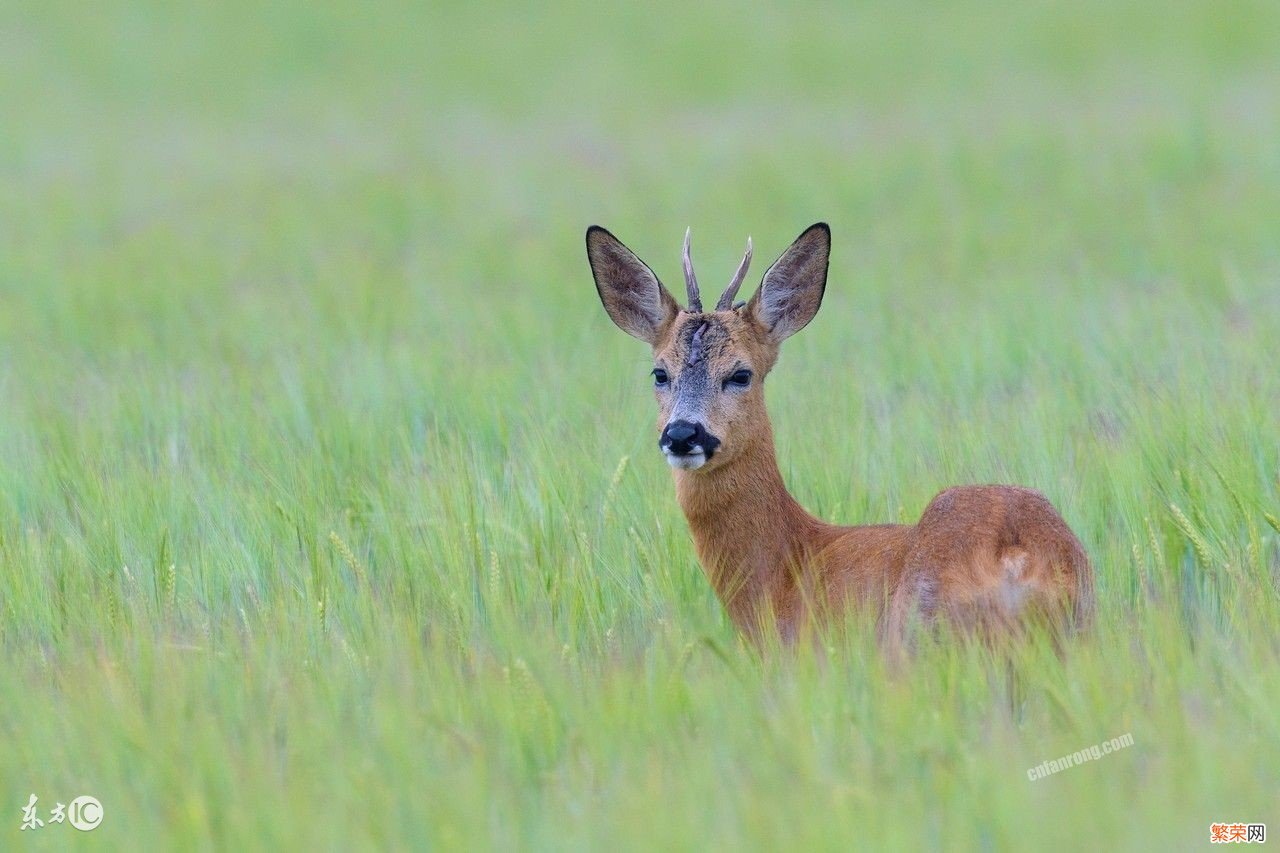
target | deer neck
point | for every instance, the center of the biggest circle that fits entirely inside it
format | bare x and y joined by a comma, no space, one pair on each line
748,530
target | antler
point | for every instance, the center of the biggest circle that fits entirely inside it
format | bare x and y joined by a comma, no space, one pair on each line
691,280
726,300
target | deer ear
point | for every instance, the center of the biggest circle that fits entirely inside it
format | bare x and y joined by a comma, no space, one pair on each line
635,299
791,292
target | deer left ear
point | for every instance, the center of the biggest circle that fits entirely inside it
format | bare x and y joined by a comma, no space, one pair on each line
791,292
630,292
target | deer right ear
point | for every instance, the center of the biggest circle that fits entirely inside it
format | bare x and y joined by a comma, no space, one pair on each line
792,289
635,299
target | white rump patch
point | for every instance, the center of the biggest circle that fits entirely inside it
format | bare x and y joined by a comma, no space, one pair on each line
1013,589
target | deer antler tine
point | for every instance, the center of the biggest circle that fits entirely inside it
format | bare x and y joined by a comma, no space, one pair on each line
726,301
691,280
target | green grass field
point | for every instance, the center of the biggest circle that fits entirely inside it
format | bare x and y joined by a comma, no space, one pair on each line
330,510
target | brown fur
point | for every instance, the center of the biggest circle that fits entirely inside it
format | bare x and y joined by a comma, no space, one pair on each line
983,559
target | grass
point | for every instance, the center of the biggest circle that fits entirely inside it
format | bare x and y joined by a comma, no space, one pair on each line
329,509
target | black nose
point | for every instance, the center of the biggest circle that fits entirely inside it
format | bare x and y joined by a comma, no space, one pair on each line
681,437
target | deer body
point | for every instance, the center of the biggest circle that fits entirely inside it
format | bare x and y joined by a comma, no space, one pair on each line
984,559
791,561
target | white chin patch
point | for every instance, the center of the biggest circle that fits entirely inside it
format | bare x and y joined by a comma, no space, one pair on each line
687,462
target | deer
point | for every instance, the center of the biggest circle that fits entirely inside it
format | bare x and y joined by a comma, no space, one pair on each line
984,560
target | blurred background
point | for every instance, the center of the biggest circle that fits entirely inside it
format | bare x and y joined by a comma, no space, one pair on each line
380,207
182,178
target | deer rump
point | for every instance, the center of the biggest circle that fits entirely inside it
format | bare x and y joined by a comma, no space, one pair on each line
990,561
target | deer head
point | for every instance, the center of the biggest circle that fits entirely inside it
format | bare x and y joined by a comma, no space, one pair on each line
709,366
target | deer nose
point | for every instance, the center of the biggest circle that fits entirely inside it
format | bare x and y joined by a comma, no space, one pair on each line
680,437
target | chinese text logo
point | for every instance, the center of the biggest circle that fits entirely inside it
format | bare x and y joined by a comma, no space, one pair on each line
84,813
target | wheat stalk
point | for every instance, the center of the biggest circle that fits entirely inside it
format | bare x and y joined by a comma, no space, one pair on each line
1198,542
362,576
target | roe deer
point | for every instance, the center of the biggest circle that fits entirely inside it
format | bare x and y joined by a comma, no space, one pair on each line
984,559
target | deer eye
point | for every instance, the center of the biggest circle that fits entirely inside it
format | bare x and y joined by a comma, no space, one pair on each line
660,377
738,379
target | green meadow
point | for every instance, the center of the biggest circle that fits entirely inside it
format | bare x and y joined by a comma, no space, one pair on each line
331,514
